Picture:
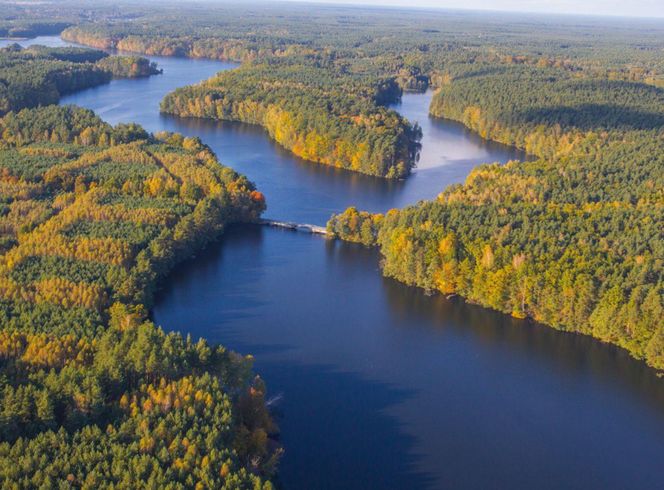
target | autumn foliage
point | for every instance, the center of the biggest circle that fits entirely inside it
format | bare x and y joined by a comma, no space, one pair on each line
94,216
571,239
308,107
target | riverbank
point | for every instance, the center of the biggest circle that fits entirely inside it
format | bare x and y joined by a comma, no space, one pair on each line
363,365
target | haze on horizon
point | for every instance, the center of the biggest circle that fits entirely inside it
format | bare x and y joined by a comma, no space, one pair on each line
620,8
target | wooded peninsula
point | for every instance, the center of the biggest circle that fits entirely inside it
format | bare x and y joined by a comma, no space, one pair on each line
40,75
572,239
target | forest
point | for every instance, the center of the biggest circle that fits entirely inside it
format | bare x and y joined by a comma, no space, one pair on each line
318,81
94,394
311,107
573,238
92,216
39,75
417,48
546,110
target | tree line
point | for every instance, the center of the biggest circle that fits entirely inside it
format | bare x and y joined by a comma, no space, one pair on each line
39,75
573,238
92,393
311,107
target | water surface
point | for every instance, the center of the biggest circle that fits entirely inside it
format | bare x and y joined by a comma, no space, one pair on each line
381,386
296,190
378,385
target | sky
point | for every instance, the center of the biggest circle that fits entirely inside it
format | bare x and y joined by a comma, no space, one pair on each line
631,8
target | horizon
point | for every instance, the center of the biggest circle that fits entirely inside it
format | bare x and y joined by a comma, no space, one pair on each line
639,9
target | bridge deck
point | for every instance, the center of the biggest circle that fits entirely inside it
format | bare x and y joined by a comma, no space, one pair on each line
304,227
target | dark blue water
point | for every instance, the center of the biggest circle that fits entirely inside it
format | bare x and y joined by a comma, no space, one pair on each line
296,190
382,386
378,385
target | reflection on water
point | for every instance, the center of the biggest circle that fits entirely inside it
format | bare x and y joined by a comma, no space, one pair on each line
296,190
381,385
448,143
51,41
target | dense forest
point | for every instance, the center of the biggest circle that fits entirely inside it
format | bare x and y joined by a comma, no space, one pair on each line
214,48
314,108
39,75
317,80
572,239
546,111
93,394
415,45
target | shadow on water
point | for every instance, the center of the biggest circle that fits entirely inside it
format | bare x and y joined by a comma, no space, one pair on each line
334,423
321,424
382,386
568,353
296,189
250,134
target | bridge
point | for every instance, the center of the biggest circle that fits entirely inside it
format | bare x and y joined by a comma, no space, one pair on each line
306,228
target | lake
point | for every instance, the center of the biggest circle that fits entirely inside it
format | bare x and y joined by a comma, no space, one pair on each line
375,384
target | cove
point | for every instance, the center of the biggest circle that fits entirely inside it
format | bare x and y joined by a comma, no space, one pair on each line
377,385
